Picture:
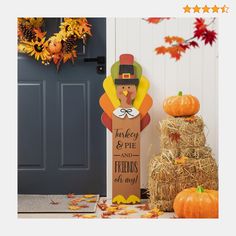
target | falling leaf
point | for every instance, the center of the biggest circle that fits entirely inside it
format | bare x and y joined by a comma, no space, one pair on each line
54,202
70,195
89,195
76,201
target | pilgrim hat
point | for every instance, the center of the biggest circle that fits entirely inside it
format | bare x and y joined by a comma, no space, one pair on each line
126,71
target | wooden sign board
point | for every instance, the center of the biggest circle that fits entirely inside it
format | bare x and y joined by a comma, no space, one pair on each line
126,160
125,105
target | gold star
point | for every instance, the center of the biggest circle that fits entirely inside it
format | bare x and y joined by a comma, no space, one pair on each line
187,9
224,9
215,9
205,9
196,9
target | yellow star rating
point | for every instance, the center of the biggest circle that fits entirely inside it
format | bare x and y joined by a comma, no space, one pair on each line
187,9
196,9
205,9
224,9
215,9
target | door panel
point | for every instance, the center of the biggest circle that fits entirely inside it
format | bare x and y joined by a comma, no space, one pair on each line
61,142
74,125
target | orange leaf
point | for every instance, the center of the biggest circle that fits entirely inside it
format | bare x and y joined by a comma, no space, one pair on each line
161,50
169,39
178,39
156,20
70,195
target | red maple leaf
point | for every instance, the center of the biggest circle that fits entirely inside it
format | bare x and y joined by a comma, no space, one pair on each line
193,44
184,46
200,27
200,23
209,36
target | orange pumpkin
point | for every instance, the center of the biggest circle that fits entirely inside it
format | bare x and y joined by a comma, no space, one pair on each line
181,105
54,45
196,203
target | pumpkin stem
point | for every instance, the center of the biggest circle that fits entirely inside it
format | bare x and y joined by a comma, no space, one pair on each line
200,189
180,93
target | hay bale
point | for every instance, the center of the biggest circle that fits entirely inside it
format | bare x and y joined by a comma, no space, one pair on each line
166,179
182,132
190,152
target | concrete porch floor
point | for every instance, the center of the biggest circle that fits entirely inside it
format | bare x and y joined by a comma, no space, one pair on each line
98,213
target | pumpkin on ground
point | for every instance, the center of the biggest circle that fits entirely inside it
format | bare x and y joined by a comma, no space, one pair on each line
181,105
196,203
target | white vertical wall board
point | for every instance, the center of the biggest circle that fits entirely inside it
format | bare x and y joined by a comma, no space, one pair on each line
196,73
209,93
183,65
171,64
133,42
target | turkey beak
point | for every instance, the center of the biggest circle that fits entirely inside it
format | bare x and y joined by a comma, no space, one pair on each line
125,92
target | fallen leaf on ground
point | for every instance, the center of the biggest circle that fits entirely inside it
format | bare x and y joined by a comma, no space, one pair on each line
92,200
88,195
127,212
153,213
85,216
113,210
102,206
70,195
77,200
72,207
54,202
144,207
106,215
88,216
77,215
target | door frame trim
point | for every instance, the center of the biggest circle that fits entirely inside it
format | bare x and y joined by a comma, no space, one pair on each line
111,57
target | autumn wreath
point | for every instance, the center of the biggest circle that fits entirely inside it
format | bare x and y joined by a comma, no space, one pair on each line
59,47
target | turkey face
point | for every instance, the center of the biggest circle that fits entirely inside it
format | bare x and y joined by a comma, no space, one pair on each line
126,93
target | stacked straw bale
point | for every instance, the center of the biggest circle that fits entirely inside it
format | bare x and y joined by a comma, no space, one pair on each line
180,137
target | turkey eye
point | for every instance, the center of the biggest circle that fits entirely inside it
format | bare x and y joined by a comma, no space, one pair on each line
128,87
123,87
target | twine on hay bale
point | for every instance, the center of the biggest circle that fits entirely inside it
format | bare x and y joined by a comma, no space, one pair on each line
167,179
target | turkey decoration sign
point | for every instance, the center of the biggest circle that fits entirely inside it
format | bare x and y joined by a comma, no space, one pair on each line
126,104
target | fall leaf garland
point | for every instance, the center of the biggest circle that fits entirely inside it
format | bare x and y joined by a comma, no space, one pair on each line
176,45
58,48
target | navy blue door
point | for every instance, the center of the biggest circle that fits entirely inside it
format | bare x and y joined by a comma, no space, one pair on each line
61,142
